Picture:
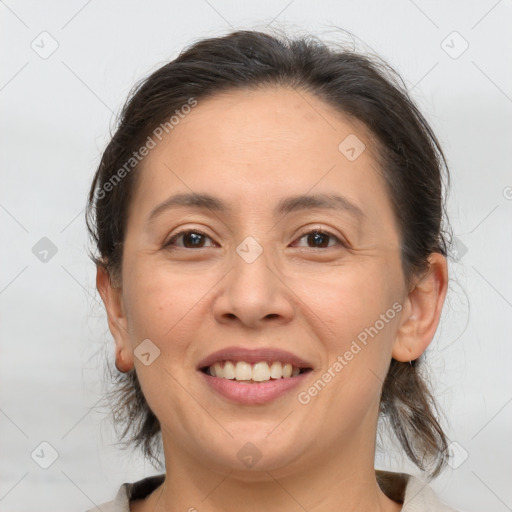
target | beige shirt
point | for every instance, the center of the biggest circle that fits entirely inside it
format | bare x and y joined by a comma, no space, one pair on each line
415,495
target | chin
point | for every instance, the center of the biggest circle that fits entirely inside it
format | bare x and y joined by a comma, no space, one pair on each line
250,458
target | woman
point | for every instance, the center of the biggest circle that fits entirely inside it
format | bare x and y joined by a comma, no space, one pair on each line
268,219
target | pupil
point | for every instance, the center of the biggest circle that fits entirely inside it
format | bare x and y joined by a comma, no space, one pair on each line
195,237
318,236
315,237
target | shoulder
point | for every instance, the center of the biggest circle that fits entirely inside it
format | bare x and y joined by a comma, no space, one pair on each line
419,496
414,494
130,491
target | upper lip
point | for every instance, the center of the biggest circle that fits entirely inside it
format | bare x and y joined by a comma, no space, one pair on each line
253,356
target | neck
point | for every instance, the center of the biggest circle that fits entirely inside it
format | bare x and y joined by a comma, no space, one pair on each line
341,480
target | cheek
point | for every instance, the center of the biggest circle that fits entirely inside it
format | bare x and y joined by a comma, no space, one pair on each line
356,321
345,301
162,305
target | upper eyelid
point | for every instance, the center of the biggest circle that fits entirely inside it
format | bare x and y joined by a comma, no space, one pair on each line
341,239
301,234
186,231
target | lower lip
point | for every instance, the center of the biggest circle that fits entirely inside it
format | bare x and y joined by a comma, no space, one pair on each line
253,393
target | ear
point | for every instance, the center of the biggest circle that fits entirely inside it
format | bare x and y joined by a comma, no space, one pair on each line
113,300
422,311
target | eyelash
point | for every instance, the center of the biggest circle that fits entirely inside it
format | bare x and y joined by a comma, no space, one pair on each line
171,241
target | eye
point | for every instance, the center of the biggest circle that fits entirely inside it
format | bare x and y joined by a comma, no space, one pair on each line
192,239
319,239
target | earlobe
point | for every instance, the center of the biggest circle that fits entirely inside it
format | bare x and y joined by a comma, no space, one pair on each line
117,322
124,362
422,311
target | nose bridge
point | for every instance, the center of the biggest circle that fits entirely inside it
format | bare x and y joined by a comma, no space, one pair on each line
252,281
253,292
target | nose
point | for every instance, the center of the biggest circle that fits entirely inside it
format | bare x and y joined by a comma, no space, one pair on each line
254,293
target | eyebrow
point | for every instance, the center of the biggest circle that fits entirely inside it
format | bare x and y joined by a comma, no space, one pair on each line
284,206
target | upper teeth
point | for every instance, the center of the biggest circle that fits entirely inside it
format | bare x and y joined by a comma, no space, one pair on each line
258,372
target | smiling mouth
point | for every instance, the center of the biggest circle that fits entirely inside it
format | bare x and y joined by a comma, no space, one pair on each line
248,373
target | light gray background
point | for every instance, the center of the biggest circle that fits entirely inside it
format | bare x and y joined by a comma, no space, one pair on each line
56,115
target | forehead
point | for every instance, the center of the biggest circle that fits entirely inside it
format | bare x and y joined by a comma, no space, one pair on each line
280,119
260,145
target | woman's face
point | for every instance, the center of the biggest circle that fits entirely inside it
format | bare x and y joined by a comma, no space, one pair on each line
253,276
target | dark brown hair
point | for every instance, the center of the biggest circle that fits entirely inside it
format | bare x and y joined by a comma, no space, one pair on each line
363,88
